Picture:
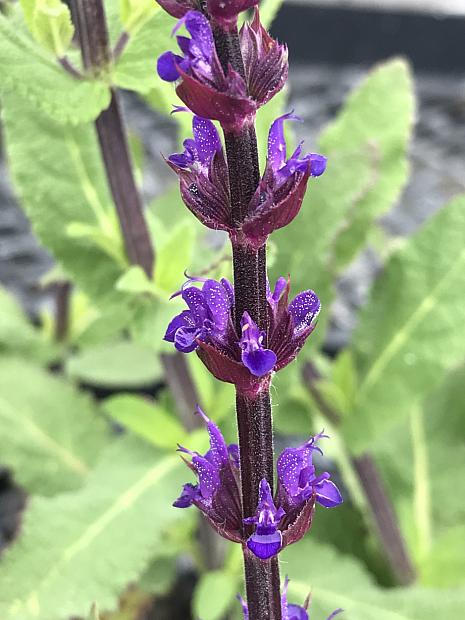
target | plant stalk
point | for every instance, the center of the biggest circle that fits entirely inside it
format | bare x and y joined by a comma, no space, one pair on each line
253,414
382,510
89,17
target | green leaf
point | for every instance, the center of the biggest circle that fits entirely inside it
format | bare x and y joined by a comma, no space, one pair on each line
115,365
34,75
50,24
85,546
268,11
214,594
51,433
174,257
339,581
40,149
135,70
444,567
410,333
135,280
135,13
18,336
146,419
378,116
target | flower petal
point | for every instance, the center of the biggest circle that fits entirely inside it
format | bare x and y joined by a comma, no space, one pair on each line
304,309
265,546
259,362
167,66
277,142
327,494
207,139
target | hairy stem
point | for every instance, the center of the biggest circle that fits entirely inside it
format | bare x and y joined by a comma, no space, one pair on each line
89,17
253,414
381,508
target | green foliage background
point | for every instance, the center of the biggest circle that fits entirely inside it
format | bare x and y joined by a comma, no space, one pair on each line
99,515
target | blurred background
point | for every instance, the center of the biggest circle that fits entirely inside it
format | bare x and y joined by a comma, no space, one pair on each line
332,44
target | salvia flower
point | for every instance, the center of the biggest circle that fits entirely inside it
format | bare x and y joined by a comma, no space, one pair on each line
242,359
286,518
202,171
267,539
280,520
224,12
203,175
279,196
289,611
207,317
216,494
213,92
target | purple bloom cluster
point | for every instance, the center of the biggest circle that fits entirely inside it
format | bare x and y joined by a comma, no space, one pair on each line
289,611
242,359
280,520
207,88
202,172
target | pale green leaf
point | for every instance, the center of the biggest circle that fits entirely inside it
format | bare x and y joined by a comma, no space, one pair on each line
93,614
85,546
445,565
39,149
174,257
35,75
410,333
339,581
146,419
49,21
135,13
379,116
136,69
268,11
214,594
51,433
18,336
135,280
118,365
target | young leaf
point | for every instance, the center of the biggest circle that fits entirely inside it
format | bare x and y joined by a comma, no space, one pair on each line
39,149
85,546
135,13
32,74
145,419
410,333
51,433
50,24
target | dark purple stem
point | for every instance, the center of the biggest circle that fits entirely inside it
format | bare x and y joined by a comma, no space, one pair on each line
375,492
62,299
70,68
253,414
120,45
89,17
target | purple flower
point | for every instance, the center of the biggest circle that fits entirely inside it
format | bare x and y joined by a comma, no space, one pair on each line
289,611
267,540
203,175
311,164
213,92
207,317
282,188
290,323
255,357
299,486
286,518
224,12
217,492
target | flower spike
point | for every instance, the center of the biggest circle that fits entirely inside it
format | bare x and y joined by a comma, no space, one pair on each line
221,93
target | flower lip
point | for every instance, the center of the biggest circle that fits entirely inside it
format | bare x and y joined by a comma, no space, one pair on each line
267,539
259,360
